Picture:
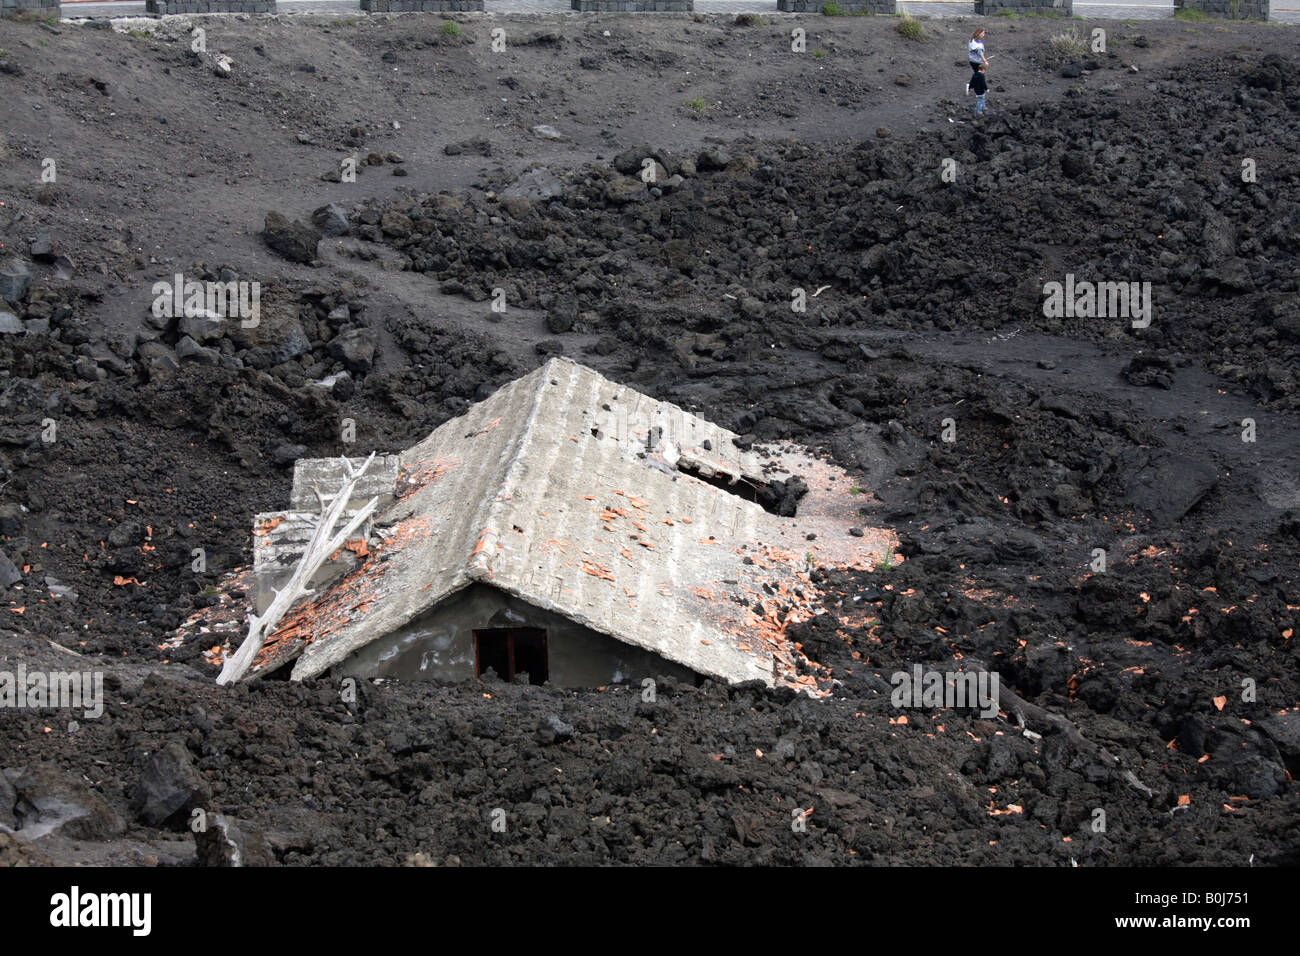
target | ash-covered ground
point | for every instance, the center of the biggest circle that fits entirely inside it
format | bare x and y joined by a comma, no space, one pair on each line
1159,688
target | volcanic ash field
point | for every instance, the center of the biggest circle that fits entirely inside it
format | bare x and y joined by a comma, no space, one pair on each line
1105,514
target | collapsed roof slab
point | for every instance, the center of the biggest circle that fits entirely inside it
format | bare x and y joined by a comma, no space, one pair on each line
564,489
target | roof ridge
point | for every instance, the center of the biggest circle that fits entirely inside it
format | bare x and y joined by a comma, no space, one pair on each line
486,548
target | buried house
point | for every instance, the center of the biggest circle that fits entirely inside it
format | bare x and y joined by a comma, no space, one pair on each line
571,529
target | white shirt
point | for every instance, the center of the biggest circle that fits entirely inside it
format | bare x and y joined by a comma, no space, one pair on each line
976,51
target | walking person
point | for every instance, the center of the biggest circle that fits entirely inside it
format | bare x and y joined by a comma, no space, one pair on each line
979,85
975,50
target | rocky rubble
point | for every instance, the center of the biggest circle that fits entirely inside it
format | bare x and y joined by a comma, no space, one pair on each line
746,224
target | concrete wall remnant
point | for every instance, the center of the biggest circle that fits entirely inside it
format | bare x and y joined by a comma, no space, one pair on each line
633,6
44,8
422,6
1061,8
876,7
168,7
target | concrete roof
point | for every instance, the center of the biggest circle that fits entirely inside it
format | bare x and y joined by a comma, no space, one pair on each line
564,489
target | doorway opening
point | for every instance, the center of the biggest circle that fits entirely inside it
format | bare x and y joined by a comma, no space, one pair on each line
510,651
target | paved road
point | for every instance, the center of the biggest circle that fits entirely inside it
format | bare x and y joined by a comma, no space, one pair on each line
1287,11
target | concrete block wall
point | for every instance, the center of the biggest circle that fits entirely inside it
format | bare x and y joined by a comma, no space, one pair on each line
633,6
878,7
882,7
1230,9
160,7
44,8
421,6
1062,8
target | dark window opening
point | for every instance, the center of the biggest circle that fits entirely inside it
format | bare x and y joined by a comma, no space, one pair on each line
530,655
780,498
511,651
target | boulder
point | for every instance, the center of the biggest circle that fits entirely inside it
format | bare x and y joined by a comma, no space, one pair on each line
169,786
291,239
44,248
287,454
227,842
396,225
204,327
187,350
535,185
331,220
628,162
50,800
9,574
712,159
15,280
625,189
160,361
355,348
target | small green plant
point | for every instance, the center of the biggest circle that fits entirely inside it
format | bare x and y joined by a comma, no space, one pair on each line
1190,15
139,34
886,561
819,54
1004,12
1069,43
3,53
911,28
855,490
210,591
750,20
697,104
451,29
